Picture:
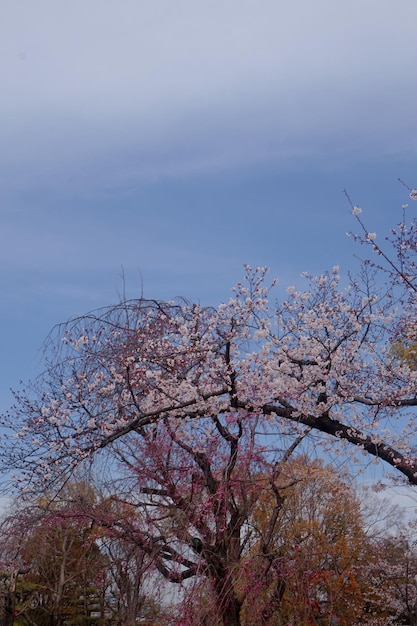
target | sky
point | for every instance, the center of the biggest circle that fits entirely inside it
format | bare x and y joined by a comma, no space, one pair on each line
154,147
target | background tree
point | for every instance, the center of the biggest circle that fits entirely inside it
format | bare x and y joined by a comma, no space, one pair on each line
65,570
319,545
392,580
67,573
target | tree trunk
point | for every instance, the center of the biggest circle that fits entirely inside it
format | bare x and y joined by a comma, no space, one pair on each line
9,608
227,603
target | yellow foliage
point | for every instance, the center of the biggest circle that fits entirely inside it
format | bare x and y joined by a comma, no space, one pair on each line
317,543
406,350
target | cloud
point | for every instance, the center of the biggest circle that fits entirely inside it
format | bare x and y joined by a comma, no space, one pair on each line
125,92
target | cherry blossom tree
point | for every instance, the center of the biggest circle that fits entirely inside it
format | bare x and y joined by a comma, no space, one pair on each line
195,403
391,574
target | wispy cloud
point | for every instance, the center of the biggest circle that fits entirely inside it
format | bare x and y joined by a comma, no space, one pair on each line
188,87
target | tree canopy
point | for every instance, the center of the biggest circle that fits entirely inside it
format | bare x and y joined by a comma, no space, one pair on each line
195,403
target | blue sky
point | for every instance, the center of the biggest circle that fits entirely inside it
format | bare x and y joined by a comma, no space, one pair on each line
180,139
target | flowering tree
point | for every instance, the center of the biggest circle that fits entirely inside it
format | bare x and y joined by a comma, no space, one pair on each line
392,579
198,402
